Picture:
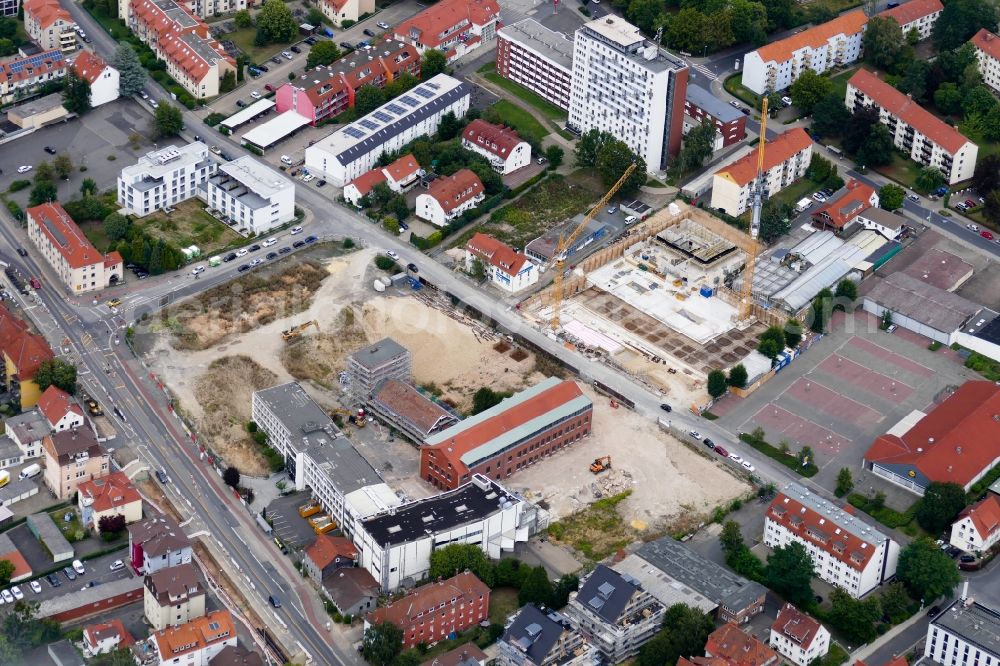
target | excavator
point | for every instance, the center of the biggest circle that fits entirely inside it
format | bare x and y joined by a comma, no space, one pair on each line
599,465
295,332
358,419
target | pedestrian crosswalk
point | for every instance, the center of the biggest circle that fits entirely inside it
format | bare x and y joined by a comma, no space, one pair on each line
703,70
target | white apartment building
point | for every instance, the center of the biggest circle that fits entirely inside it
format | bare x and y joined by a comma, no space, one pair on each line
22,77
919,15
51,26
539,59
200,8
396,546
65,247
103,78
503,147
9,7
846,551
798,637
507,269
626,85
786,159
776,66
977,528
965,633
927,139
164,178
339,11
988,54
400,176
449,196
252,194
173,596
355,148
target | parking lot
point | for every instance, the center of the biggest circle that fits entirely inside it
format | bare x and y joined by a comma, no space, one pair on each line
97,571
289,526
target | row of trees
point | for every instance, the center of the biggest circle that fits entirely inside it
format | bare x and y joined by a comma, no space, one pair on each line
139,248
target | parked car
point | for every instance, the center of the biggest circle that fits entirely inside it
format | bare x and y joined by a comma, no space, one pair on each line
392,255
25,168
271,255
734,104
695,434
383,25
78,567
913,197
50,150
264,68
240,103
310,40
69,573
276,60
297,244
7,596
229,257
970,203
16,591
708,442
21,251
736,458
972,227
53,581
403,226
722,451
269,242
787,101
243,269
933,612
665,407
255,94
346,45
369,32
296,49
268,87
287,55
117,564
285,250
820,197
309,239
748,466
36,587
967,559
197,270
256,262
986,234
254,247
321,183
295,230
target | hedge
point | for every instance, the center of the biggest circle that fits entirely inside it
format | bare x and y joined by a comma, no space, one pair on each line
791,462
19,185
883,514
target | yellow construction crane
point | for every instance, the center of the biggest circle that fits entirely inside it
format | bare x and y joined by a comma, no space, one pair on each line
759,190
565,242
295,332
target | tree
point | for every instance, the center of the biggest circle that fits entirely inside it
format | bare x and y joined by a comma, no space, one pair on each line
830,116
131,73
774,335
697,147
612,161
62,164
769,348
860,126
992,207
450,127
367,99
845,482
228,82
322,53
820,169
231,477
432,63
536,588
749,21
882,42
895,602
846,290
167,120
987,176
382,643
244,19
948,99
6,571
960,20
314,17
44,192
854,618
275,23
940,505
685,630
914,81
809,89
978,101
644,14
76,93
717,383
88,187
820,311
775,220
793,333
589,145
486,397
554,154
731,538
877,150
566,585
477,269
789,572
891,196
113,524
56,372
403,82
457,557
926,571
23,628
738,376
930,178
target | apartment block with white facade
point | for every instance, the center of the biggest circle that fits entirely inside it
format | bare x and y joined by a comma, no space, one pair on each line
919,15
798,637
628,86
988,54
786,159
164,178
51,26
502,146
977,528
965,633
917,132
776,66
538,58
355,148
79,265
448,197
507,269
846,551
255,196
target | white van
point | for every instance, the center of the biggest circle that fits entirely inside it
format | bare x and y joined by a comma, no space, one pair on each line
30,471
285,159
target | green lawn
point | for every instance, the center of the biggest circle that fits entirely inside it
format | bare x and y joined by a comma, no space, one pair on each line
734,86
243,38
503,602
517,90
840,79
521,120
188,225
902,170
94,231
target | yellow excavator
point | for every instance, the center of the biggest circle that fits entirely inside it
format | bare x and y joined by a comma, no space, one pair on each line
358,418
295,332
601,464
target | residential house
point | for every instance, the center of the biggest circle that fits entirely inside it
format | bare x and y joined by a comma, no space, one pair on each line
73,457
977,528
466,654
502,146
80,266
400,177
27,430
919,15
927,139
339,11
59,409
255,197
615,614
106,637
543,638
434,611
453,27
328,553
988,55
49,25
352,590
777,65
840,214
738,648
798,637
505,268
104,79
157,543
22,77
448,197
786,160
194,643
877,219
23,353
540,59
113,495
173,596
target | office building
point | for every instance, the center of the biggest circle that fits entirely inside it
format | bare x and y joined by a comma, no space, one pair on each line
165,177
917,132
70,253
505,150
965,633
988,54
104,79
537,58
49,25
507,437
798,637
786,160
506,269
173,596
255,197
447,197
454,27
538,637
776,66
626,85
846,551
370,366
730,123
919,15
22,77
355,148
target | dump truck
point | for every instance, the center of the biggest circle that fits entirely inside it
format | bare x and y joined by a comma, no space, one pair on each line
600,464
310,509
295,332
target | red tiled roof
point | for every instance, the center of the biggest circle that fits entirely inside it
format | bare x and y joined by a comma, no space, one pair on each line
985,515
89,66
349,72
111,492
908,111
325,549
22,569
463,588
779,150
54,403
499,140
847,24
704,661
403,169
820,531
50,62
740,649
94,633
47,12
73,245
838,212
912,10
197,634
26,350
170,39
442,21
497,254
956,441
987,42
369,179
796,625
453,191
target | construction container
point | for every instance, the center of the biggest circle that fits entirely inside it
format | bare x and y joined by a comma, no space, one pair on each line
310,509
706,291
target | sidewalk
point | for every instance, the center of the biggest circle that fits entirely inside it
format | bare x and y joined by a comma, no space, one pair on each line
866,651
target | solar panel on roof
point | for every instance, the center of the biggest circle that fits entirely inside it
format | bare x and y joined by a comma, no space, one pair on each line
383,116
354,132
368,124
408,101
395,108
435,86
423,92
34,61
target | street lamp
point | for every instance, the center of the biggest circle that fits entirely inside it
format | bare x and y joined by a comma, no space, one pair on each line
705,54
